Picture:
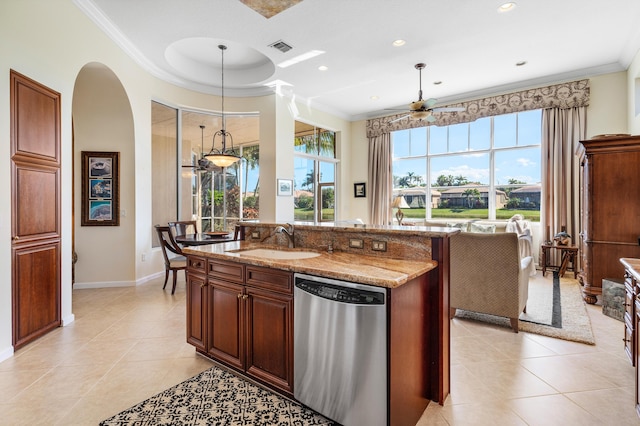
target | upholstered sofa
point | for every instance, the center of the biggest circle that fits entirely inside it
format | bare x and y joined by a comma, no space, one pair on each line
488,275
516,224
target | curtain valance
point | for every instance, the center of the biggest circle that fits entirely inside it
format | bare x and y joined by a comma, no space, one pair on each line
564,95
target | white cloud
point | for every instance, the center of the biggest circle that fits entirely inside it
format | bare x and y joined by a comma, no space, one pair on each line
525,162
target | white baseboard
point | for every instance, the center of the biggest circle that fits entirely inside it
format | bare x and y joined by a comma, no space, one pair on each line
103,284
68,320
6,353
108,284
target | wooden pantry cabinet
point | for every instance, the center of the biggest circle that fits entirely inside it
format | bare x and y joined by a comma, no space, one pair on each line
609,209
242,315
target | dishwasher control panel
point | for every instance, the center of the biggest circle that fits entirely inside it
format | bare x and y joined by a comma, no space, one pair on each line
341,294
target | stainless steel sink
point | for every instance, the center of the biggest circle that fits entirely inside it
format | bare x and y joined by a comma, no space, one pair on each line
275,254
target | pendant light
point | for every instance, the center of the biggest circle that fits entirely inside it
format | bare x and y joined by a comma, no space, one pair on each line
222,157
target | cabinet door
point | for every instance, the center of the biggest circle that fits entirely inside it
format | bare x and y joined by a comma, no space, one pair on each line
226,322
270,337
196,310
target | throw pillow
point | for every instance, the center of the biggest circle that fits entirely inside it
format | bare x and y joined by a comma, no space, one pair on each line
483,229
462,226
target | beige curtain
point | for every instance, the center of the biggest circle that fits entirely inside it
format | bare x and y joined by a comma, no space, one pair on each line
562,130
380,179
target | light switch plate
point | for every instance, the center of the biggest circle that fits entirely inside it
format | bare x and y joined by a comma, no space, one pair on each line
255,235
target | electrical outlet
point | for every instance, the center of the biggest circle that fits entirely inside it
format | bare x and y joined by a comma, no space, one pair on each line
255,235
379,246
356,243
144,257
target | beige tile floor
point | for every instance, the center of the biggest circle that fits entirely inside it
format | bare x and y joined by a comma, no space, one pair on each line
128,344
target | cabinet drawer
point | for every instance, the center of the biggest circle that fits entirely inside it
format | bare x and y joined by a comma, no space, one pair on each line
270,279
196,264
628,303
229,271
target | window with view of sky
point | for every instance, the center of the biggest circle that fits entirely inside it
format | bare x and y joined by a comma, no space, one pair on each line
486,169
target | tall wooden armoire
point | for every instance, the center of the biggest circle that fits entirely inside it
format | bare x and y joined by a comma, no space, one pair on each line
610,209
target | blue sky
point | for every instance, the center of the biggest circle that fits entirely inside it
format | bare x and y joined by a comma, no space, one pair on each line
463,149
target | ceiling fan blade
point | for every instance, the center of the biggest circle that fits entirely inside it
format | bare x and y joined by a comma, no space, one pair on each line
430,102
448,109
400,118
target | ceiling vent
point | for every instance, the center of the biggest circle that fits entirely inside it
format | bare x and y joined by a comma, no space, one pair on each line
281,46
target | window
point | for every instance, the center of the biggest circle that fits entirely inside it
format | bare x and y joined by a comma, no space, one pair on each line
487,169
315,171
213,196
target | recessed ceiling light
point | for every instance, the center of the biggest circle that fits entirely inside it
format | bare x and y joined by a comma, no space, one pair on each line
323,67
437,82
399,42
506,7
374,98
521,63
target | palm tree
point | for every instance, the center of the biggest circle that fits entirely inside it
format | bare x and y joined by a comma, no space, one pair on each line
320,142
251,155
471,195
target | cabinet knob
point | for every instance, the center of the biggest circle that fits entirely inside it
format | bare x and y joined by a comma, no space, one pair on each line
245,297
239,296
16,238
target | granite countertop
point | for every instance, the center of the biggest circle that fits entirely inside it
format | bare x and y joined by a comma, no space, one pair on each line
373,270
633,265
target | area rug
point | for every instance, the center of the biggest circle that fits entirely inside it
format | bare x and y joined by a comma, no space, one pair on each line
555,310
217,397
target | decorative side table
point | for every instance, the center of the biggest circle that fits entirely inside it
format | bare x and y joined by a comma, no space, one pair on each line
568,255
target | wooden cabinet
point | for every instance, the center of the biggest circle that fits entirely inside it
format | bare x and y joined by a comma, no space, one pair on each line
610,209
242,316
632,319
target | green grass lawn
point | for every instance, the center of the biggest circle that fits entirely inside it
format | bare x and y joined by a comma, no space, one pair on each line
503,214
307,215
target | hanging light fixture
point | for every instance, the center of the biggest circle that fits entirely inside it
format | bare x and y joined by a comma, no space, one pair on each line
222,157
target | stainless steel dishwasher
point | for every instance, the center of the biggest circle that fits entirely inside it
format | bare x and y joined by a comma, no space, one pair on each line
340,349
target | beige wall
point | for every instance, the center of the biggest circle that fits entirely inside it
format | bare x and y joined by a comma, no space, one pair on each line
607,112
633,96
103,122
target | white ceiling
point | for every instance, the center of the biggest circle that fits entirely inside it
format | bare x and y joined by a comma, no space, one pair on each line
467,45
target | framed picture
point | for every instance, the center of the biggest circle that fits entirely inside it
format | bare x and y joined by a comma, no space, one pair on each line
100,188
285,187
359,190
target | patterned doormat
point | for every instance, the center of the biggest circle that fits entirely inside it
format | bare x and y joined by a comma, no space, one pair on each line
217,397
552,310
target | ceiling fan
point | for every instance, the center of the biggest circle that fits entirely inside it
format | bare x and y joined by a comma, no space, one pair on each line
423,109
202,165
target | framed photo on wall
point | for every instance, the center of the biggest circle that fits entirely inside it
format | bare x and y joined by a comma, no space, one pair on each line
100,188
360,190
285,187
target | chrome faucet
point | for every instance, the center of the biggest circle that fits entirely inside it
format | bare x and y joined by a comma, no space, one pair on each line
288,232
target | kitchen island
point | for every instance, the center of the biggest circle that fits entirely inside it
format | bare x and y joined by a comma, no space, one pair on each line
240,303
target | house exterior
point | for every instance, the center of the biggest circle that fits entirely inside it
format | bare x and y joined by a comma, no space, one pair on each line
528,195
458,196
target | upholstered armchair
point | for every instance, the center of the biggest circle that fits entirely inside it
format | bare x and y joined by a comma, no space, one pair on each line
487,275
